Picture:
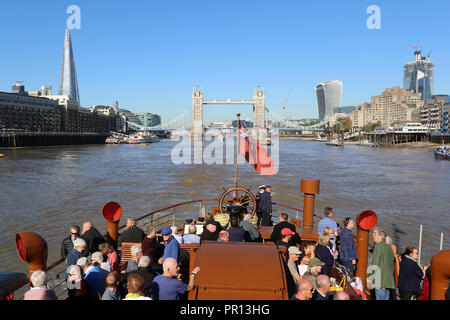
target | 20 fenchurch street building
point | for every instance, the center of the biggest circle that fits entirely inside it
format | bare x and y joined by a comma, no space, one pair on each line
329,95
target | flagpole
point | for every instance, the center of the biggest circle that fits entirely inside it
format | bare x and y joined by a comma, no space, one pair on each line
237,150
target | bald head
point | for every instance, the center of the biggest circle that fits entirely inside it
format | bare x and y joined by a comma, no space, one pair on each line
131,223
341,295
170,267
211,227
192,229
87,225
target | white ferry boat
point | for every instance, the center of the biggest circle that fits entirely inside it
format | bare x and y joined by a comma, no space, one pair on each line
142,137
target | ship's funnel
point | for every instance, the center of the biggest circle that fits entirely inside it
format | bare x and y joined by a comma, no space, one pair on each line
440,274
310,187
32,248
365,221
112,211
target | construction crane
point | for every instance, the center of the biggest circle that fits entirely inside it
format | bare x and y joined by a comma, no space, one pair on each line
284,104
415,47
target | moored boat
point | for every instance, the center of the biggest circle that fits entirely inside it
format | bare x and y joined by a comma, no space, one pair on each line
442,153
142,137
333,143
112,140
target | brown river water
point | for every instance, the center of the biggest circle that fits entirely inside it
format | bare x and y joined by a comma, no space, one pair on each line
47,189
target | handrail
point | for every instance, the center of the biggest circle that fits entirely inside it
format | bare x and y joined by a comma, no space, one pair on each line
293,208
59,261
170,207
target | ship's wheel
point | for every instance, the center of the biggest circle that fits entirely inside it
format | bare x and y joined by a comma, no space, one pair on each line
238,196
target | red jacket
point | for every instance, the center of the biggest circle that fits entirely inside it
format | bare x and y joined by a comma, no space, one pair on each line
425,293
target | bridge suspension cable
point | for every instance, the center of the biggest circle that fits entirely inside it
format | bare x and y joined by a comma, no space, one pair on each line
179,121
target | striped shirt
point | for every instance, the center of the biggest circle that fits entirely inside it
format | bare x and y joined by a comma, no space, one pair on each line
327,222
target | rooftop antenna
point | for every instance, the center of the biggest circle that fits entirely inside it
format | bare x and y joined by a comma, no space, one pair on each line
429,53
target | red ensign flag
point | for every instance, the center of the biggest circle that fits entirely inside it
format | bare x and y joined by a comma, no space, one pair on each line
255,153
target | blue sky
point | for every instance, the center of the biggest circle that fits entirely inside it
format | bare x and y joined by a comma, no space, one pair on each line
150,54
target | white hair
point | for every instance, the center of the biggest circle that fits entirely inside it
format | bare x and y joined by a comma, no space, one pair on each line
79,242
135,248
144,261
388,240
174,229
38,278
82,262
97,257
106,266
77,270
322,281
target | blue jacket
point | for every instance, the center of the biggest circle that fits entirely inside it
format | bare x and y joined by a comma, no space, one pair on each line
172,249
410,275
96,279
73,257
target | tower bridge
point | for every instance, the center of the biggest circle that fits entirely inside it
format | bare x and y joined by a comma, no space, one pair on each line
260,119
258,102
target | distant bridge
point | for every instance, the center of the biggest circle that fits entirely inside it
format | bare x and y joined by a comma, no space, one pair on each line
183,120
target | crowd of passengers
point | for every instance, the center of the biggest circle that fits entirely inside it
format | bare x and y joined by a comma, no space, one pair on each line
159,270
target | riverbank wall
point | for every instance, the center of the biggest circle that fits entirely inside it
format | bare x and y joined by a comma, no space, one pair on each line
34,139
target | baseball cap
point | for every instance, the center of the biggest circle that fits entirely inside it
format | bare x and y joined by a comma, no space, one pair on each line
286,231
294,250
166,230
315,262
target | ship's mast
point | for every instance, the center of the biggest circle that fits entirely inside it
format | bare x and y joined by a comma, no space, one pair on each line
237,151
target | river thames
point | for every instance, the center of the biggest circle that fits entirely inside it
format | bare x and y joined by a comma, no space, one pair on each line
47,189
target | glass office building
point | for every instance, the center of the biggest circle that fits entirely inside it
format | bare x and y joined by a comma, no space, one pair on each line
329,96
149,119
419,76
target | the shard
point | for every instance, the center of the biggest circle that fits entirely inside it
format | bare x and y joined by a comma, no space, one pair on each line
68,84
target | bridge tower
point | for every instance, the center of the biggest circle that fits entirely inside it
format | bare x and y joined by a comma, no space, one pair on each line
259,106
197,108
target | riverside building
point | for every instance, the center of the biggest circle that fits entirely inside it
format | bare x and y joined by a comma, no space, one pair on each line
395,106
444,117
431,113
22,112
